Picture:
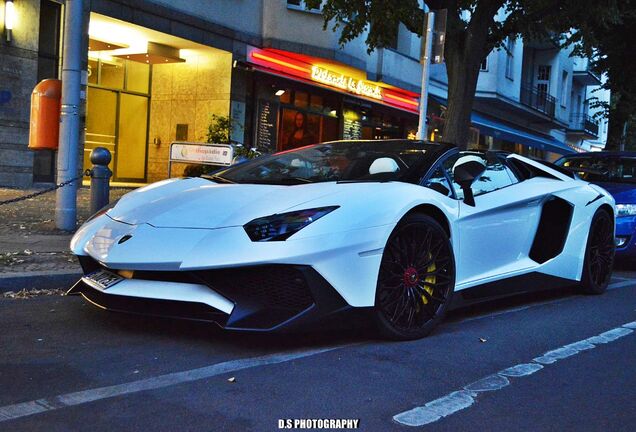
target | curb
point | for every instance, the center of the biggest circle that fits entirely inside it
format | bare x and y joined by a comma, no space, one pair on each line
38,280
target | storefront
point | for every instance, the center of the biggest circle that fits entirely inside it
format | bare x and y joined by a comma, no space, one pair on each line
146,89
301,100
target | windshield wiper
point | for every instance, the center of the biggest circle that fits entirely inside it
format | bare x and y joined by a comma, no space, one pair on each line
217,178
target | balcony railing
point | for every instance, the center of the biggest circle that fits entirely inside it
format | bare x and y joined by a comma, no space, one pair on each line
538,100
584,123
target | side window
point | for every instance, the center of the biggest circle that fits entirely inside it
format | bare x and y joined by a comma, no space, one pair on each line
438,182
496,176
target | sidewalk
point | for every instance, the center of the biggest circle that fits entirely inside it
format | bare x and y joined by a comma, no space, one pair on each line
34,254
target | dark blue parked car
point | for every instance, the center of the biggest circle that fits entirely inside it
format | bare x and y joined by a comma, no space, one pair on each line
616,173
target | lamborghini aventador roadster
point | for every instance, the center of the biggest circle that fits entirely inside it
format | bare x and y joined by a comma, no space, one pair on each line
403,230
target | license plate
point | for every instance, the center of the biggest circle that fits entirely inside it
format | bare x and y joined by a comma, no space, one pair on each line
104,279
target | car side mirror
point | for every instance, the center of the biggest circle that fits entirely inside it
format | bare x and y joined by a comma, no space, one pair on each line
466,170
383,165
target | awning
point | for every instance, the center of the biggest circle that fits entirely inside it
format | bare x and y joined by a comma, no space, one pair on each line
330,75
498,129
494,128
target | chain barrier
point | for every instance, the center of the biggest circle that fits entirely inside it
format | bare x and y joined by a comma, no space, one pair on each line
86,173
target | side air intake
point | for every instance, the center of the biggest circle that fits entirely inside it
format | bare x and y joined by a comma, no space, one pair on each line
554,225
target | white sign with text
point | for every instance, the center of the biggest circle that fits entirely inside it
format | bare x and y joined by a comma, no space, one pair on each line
207,154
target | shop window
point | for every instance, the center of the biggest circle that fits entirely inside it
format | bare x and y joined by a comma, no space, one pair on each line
301,99
137,77
112,73
93,70
118,74
316,102
300,128
286,97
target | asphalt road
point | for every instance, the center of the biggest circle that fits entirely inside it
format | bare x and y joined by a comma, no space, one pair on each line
67,366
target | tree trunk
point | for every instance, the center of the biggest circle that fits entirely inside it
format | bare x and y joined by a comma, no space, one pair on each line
467,48
463,72
616,126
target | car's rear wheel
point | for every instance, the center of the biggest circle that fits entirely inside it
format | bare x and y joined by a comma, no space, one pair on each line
416,280
599,254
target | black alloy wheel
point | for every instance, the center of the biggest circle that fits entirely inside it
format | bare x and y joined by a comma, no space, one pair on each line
416,280
599,254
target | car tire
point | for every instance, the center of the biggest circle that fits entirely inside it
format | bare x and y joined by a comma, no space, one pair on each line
416,281
599,254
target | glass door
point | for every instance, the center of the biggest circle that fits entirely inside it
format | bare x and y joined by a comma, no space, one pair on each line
117,114
131,143
101,123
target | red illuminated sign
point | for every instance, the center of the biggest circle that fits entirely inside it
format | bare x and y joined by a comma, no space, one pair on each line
290,65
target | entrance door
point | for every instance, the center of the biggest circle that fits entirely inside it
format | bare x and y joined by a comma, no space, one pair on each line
101,123
118,121
131,143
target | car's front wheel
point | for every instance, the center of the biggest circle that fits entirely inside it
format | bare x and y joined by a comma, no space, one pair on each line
599,254
416,280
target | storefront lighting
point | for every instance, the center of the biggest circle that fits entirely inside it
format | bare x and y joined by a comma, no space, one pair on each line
9,19
280,92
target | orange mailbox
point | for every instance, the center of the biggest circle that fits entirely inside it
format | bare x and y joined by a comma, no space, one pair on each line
45,115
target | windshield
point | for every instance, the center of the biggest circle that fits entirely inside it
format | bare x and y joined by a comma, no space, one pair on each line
344,161
603,169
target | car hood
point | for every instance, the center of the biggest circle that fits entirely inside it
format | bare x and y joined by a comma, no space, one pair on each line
201,203
623,193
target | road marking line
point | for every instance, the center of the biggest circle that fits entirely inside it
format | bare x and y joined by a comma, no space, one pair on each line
11,412
458,400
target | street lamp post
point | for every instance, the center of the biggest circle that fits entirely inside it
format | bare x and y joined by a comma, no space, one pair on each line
68,153
427,44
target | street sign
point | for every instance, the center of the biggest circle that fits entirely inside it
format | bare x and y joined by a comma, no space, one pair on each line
437,37
200,153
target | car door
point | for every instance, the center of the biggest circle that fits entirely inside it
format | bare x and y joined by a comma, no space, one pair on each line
496,233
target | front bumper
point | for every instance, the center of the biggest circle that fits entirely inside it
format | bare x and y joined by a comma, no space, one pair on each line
626,231
255,298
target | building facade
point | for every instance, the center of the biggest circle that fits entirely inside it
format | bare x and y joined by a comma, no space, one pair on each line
158,71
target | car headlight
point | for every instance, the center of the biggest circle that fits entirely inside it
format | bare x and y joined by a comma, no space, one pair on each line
625,210
280,227
102,211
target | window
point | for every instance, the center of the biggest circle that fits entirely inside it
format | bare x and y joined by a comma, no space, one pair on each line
510,64
484,65
564,88
496,176
543,72
439,183
300,5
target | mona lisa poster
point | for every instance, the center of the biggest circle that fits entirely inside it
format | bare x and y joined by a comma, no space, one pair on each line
299,129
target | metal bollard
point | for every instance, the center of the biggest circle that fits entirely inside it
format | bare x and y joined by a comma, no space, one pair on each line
100,178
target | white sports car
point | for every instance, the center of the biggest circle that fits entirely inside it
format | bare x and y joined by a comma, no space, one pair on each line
403,229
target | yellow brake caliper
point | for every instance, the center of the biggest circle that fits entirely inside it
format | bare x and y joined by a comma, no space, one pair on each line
429,280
